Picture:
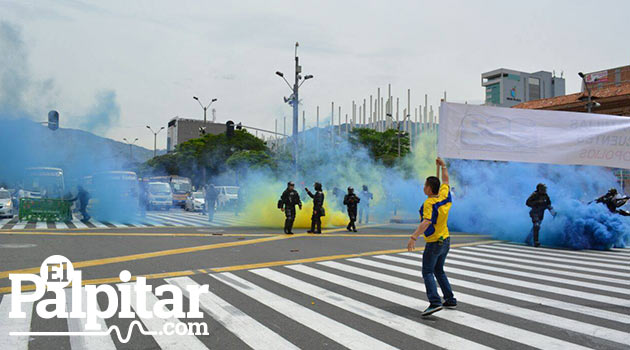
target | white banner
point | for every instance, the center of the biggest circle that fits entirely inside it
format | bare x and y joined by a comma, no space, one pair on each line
534,136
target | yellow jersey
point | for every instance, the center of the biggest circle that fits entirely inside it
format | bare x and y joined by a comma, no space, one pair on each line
436,210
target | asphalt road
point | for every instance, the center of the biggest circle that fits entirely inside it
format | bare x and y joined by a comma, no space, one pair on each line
335,290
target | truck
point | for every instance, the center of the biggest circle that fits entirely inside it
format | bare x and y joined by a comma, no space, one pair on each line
181,187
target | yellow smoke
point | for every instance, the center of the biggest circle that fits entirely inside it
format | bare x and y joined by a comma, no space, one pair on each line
264,212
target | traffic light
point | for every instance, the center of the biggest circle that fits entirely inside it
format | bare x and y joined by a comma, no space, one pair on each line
53,120
229,128
202,130
239,126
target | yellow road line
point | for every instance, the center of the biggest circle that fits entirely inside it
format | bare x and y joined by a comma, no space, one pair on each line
248,266
332,257
118,259
30,287
37,233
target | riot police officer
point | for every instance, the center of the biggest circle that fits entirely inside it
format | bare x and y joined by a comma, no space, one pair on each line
538,202
289,199
612,202
351,201
318,208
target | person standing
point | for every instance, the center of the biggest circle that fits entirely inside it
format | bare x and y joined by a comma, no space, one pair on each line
364,205
351,201
318,208
210,201
289,199
143,199
84,198
434,228
538,201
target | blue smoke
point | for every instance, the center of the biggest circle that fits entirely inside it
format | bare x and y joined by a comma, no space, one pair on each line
490,199
25,142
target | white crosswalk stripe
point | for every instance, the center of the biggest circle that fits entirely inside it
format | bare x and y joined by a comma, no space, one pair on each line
354,295
8,325
332,329
399,323
514,281
465,319
252,332
78,325
170,218
576,261
530,266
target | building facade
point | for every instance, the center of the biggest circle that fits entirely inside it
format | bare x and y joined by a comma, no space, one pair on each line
507,88
181,130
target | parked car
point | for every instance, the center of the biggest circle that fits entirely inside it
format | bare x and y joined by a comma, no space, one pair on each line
159,195
228,196
6,204
195,202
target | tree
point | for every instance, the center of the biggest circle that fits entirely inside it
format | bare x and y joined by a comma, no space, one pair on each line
249,159
382,146
210,152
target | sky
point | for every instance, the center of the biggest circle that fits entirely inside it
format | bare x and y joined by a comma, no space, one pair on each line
146,59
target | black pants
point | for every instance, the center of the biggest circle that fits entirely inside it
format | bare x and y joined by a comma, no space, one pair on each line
290,217
83,211
352,214
537,219
316,222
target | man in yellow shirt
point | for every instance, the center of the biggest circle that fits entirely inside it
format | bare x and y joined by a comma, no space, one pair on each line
434,228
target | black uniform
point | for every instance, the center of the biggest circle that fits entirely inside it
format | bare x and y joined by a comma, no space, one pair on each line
351,201
318,204
613,203
84,198
538,202
289,199
211,198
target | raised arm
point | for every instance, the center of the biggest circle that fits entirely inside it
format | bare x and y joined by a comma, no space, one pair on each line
441,164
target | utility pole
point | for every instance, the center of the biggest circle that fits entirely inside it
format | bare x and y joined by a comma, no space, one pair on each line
294,101
155,139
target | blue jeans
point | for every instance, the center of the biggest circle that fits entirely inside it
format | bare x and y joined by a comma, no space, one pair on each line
433,259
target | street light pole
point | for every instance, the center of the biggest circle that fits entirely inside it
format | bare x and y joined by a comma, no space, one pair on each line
294,101
588,89
155,139
130,147
205,110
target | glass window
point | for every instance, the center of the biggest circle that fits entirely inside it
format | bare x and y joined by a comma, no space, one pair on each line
493,94
534,88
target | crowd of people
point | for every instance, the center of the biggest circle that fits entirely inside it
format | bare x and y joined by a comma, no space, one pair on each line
290,199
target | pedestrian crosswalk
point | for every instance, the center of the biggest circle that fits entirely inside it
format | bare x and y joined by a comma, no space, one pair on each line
173,217
509,297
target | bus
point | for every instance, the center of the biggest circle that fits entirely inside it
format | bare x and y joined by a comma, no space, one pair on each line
42,182
181,187
114,194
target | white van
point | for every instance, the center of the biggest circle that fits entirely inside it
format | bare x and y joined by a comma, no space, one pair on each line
228,196
159,195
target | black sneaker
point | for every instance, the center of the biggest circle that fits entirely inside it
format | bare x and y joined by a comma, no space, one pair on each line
450,304
289,233
431,310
